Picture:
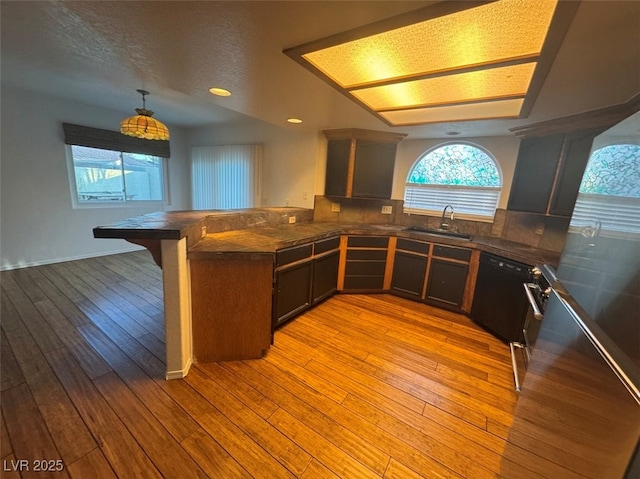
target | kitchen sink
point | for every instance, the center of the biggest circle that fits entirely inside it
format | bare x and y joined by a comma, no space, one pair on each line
439,232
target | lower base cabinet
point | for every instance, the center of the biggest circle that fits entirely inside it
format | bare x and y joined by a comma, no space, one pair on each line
231,307
325,276
446,283
293,291
304,275
408,274
366,263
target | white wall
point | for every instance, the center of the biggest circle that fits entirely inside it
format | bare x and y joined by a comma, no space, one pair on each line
289,163
39,225
38,222
503,148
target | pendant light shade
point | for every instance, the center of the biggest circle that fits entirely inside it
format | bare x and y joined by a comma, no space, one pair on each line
143,125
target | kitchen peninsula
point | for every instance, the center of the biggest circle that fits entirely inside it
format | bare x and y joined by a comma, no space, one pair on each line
219,270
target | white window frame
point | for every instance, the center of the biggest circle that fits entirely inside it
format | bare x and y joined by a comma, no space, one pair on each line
78,204
444,195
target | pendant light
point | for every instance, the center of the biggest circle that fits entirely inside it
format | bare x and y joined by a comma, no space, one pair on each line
143,125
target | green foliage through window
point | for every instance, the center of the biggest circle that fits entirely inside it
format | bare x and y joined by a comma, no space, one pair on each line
613,170
457,174
456,164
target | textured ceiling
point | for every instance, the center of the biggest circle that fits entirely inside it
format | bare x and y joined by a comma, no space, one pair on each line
100,52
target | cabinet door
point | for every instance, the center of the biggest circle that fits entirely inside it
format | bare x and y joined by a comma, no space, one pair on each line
337,167
535,173
447,281
373,173
408,274
576,156
325,276
293,291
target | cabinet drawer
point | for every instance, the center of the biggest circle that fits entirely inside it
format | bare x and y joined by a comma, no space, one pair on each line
295,253
414,246
367,242
368,268
325,245
363,282
452,252
367,254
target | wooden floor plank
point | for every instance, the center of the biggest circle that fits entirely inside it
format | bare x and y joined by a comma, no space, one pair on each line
212,458
170,414
279,446
163,450
358,386
114,439
93,465
333,457
313,409
30,437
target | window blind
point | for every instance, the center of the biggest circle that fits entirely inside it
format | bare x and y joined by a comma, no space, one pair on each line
467,201
113,140
226,177
614,213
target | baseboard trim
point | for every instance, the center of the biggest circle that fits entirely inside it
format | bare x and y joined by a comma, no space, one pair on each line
8,267
179,374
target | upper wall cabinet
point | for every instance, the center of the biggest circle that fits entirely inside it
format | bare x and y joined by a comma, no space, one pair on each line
553,156
549,171
360,163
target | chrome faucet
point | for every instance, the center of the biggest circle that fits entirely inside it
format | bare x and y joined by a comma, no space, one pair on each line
443,222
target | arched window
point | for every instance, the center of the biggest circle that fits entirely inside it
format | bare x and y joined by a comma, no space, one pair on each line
609,195
458,174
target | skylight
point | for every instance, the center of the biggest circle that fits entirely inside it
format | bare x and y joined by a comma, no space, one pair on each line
452,61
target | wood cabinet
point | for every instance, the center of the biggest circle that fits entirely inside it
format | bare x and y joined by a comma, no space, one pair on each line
293,290
365,263
360,163
410,268
448,271
304,275
231,307
325,276
446,284
548,172
433,273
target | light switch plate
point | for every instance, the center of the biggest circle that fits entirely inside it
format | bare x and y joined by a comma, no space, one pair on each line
387,210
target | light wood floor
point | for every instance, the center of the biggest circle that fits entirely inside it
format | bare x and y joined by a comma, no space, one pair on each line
358,387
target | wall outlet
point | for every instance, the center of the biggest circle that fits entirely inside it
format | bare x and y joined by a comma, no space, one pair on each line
305,195
335,207
203,231
387,210
292,219
539,230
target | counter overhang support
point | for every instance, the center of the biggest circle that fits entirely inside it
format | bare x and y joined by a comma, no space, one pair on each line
177,308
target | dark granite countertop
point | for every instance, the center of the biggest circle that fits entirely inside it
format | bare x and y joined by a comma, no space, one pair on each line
265,230
270,239
266,239
178,224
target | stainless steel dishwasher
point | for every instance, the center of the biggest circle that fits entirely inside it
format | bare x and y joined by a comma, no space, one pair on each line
499,303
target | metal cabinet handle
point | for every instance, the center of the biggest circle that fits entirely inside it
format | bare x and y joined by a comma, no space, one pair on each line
527,289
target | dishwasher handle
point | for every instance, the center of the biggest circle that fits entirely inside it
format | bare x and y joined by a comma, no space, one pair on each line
527,289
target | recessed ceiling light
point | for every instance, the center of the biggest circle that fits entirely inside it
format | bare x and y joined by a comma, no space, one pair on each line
451,61
294,120
220,91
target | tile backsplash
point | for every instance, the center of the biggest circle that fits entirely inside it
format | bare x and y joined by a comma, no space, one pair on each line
546,232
